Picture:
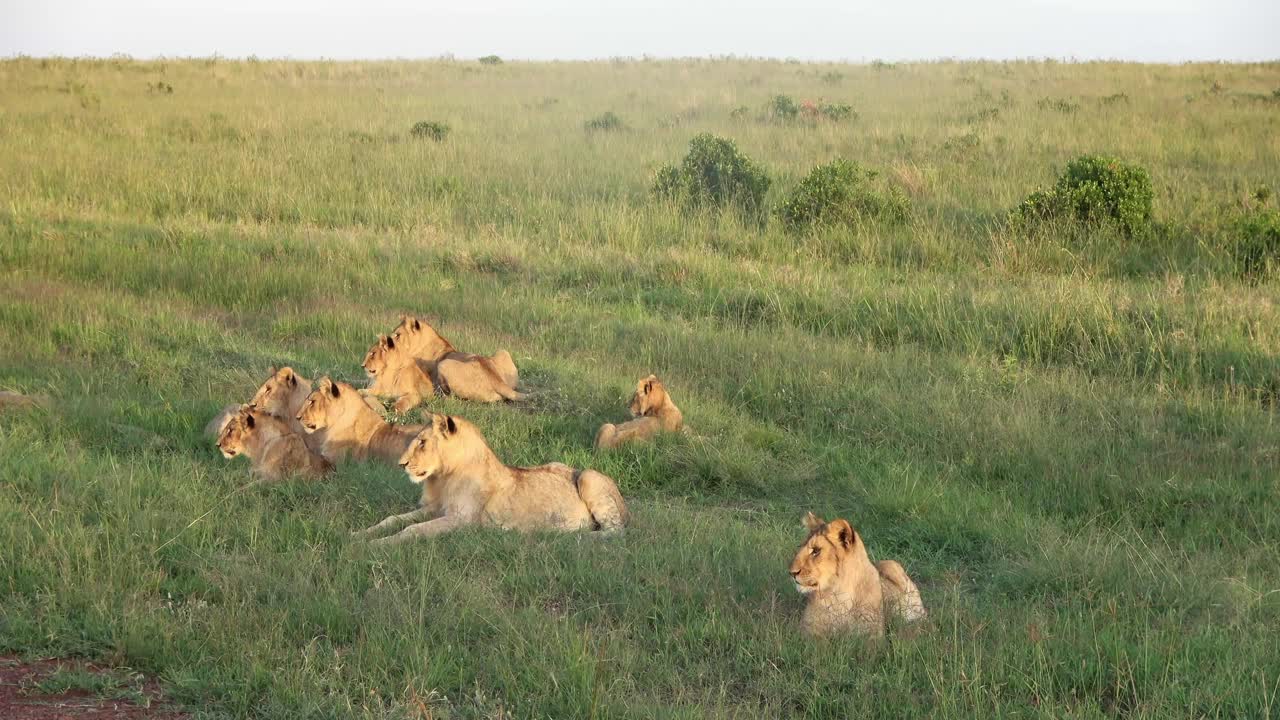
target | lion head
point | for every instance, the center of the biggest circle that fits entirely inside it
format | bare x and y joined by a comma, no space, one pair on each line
235,433
326,405
375,361
419,339
282,392
818,561
449,444
650,395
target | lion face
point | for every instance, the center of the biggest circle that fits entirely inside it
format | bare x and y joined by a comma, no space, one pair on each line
649,395
235,434
282,392
419,339
322,406
375,361
817,562
433,450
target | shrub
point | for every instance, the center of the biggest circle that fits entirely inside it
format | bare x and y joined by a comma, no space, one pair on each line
490,60
606,122
1062,106
1255,244
842,192
429,129
714,173
782,107
160,87
740,112
1095,189
833,77
837,111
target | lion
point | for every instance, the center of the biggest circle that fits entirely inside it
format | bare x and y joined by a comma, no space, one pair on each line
352,428
394,373
281,394
902,599
276,451
465,375
653,410
464,483
846,593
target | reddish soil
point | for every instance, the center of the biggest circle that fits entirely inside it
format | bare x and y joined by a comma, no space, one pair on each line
20,699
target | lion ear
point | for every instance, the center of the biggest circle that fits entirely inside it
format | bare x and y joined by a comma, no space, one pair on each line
648,386
248,418
293,379
333,389
391,344
813,522
417,325
450,425
841,533
272,370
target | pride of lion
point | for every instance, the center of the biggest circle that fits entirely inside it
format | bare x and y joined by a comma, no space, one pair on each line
293,428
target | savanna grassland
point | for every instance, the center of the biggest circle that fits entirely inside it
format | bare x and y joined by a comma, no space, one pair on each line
1068,436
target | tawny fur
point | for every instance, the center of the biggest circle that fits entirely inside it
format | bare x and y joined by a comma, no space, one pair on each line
464,375
902,599
653,410
282,395
464,483
832,570
352,428
275,450
396,374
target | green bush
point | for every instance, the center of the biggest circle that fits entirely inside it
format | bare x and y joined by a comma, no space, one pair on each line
1093,190
837,112
842,192
606,123
716,174
432,130
490,60
1255,244
782,107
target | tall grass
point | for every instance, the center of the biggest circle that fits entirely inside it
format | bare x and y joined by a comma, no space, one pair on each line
1068,438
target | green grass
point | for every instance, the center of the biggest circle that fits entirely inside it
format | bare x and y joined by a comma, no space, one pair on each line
1069,438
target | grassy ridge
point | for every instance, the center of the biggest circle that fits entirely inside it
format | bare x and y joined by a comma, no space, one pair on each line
1070,441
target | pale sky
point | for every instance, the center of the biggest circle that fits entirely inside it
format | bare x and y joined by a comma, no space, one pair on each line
858,30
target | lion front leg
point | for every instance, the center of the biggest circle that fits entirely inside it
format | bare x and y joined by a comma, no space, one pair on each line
430,528
394,522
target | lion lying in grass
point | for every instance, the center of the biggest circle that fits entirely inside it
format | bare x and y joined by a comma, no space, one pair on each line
464,483
396,374
845,592
282,395
351,427
464,375
653,410
275,450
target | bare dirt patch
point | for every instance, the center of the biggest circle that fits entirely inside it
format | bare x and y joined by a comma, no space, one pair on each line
66,689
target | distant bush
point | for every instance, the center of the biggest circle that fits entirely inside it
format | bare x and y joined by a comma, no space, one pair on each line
782,107
963,146
833,77
740,112
490,60
1255,244
605,123
437,131
1115,99
716,174
160,87
836,111
1059,104
842,192
1093,190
